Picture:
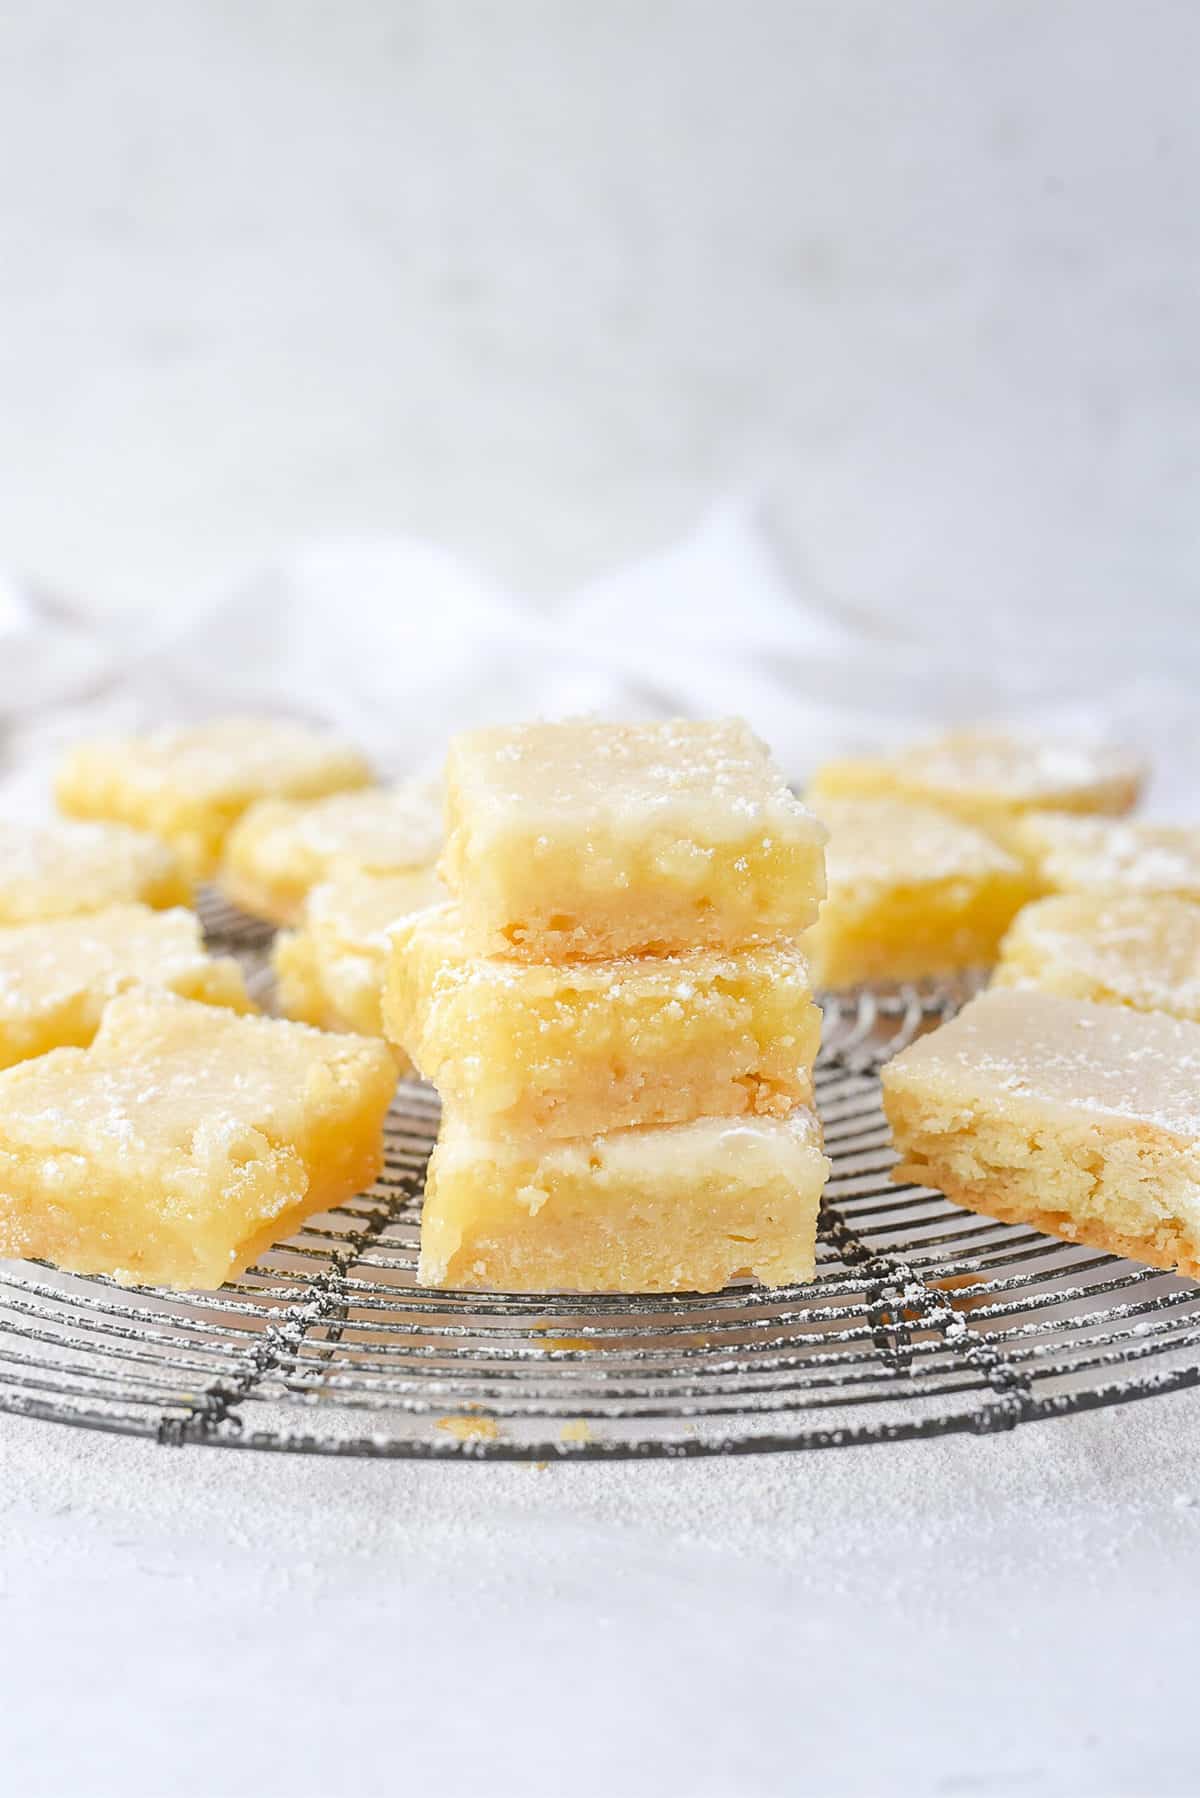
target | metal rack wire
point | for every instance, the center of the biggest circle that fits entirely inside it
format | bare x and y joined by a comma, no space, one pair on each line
922,1320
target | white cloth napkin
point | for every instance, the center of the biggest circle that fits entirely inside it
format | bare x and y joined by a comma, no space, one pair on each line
400,643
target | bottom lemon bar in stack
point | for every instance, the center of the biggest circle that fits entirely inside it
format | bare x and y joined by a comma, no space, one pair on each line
663,1208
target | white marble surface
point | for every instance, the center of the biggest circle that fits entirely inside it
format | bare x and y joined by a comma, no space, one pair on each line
538,281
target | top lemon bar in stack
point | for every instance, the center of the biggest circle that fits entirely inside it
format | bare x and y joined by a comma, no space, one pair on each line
585,841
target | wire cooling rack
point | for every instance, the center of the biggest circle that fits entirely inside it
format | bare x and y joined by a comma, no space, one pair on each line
922,1320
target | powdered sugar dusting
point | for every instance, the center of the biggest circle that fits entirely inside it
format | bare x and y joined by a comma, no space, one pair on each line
884,843
1066,1054
1024,769
228,757
61,869
1104,855
377,829
1143,952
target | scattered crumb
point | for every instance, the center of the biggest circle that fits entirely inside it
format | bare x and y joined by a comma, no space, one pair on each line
470,1429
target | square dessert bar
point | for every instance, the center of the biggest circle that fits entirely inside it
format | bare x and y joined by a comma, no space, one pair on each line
989,777
1099,855
912,891
331,970
578,1047
191,786
185,1140
56,978
1114,950
63,870
1079,1119
593,840
283,848
676,1208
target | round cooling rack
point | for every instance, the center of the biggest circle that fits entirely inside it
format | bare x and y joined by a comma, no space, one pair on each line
923,1319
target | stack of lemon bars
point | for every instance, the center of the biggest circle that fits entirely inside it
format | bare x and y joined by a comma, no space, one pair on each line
617,1013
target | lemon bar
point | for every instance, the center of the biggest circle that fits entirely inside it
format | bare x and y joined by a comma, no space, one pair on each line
184,1140
596,840
62,870
989,777
331,971
912,891
1079,1119
191,786
578,1047
56,978
1099,855
282,848
1119,950
672,1208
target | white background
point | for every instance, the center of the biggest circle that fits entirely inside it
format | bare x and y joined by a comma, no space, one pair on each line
540,282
